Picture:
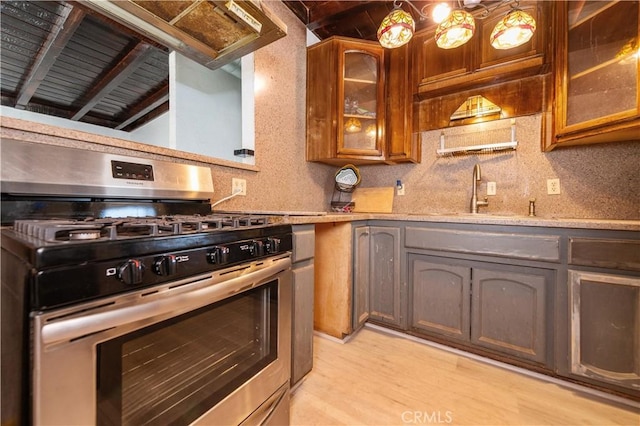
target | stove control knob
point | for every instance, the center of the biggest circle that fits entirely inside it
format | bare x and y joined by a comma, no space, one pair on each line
166,265
256,248
219,255
273,245
131,272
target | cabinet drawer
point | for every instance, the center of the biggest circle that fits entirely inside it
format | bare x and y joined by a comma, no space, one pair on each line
304,242
617,254
535,247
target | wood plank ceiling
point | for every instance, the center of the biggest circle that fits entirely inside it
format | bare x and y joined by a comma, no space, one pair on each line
61,59
356,19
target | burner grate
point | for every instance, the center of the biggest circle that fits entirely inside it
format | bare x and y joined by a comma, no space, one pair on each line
91,229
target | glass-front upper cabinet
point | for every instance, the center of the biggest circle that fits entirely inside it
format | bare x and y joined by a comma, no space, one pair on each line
345,102
597,97
360,129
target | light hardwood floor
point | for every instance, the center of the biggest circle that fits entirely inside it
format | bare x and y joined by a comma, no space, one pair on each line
381,379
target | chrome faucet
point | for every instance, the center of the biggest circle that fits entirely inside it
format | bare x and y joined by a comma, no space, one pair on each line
474,195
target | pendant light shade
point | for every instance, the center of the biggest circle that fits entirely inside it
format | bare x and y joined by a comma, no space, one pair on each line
515,29
456,30
396,29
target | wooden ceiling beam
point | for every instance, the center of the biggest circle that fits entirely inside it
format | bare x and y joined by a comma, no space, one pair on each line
114,77
149,104
60,34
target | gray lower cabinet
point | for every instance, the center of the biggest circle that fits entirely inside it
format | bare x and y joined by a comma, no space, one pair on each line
603,292
377,291
605,328
303,300
502,308
510,311
440,294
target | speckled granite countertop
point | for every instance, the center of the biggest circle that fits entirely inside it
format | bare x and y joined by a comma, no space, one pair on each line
607,224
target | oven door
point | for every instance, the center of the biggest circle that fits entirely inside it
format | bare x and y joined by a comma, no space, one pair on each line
212,349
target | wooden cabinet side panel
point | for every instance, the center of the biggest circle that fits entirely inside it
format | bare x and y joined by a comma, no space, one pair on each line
304,242
333,274
302,323
321,101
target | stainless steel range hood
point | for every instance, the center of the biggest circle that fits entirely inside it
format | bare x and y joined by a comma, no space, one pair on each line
212,33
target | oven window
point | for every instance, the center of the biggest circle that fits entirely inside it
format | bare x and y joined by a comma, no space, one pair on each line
175,371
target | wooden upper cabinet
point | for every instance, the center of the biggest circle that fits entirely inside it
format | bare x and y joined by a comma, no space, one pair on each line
403,143
348,107
476,63
597,90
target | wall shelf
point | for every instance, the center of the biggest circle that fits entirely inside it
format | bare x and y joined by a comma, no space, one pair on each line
479,139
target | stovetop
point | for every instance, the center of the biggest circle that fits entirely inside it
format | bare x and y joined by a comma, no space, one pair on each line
70,231
57,242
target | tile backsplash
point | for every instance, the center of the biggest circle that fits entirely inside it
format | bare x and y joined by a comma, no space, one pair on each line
596,181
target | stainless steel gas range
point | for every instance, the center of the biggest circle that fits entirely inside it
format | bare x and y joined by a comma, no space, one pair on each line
125,300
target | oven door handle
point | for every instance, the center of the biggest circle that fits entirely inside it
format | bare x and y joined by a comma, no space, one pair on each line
69,328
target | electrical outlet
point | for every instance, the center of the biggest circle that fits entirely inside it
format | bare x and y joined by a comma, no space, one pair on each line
239,186
491,188
553,186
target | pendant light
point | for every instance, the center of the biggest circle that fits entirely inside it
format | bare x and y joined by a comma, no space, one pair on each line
397,28
455,30
515,29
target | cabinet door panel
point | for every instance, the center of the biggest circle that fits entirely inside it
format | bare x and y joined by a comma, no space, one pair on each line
597,90
508,312
432,63
490,56
441,300
402,144
360,128
361,276
605,327
384,264
601,81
